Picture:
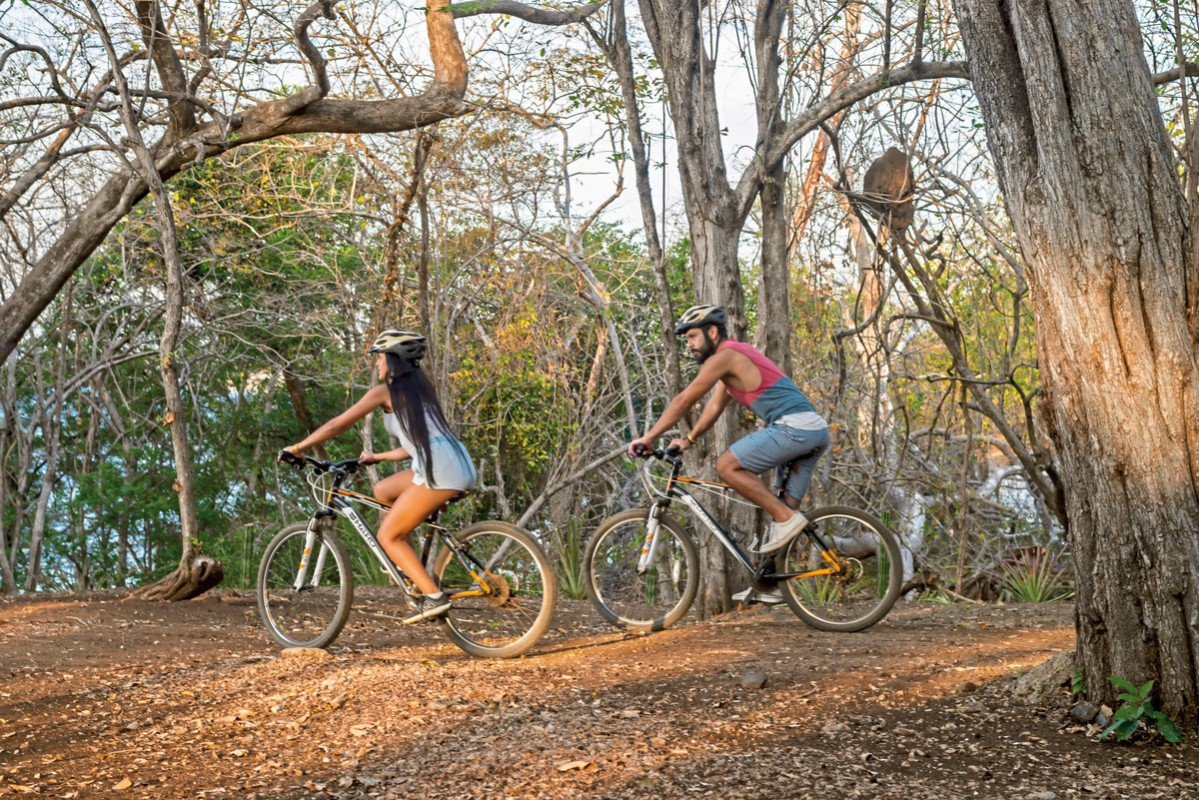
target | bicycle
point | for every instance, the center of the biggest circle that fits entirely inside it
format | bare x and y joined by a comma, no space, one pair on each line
842,573
499,580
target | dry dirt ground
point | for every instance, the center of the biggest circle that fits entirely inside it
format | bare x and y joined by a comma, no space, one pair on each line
101,698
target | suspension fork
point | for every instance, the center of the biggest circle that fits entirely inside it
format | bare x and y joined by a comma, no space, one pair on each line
653,525
309,542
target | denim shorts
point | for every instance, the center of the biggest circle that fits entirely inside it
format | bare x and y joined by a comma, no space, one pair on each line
777,445
452,467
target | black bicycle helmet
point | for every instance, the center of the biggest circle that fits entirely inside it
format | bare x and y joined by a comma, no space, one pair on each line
405,344
699,316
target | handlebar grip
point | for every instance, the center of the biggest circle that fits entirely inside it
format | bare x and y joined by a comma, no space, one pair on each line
641,451
288,457
673,451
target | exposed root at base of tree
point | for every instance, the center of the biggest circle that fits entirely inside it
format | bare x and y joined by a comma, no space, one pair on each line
192,579
1043,683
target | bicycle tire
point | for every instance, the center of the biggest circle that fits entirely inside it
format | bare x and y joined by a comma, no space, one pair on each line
313,615
865,592
632,601
504,624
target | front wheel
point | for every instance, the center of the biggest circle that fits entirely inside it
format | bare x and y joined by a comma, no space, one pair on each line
305,586
633,595
847,570
502,588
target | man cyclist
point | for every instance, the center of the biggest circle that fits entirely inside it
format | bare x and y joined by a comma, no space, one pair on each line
794,431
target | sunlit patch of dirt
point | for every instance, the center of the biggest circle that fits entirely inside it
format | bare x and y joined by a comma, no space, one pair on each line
128,699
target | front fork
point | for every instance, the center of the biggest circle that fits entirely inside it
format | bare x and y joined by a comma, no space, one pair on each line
310,537
653,524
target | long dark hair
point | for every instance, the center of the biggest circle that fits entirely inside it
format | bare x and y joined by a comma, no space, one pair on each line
415,404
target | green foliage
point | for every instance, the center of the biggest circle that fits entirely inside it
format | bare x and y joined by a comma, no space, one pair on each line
1033,576
1078,684
936,595
568,545
1137,709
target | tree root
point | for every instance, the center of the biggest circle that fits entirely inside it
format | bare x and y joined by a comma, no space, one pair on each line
191,579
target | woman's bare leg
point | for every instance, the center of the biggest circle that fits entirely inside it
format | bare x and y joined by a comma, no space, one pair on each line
391,487
408,511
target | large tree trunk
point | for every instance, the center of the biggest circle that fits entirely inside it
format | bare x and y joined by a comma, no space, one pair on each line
196,573
714,218
718,280
1092,188
620,57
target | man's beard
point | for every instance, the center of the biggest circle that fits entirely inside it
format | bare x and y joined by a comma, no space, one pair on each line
705,352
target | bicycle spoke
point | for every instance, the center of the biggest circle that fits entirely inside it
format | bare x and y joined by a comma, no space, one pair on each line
312,614
504,610
635,589
854,583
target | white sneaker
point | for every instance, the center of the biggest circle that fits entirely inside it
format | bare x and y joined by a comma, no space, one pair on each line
772,597
779,533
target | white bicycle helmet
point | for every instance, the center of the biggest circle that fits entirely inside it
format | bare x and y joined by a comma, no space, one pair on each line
405,344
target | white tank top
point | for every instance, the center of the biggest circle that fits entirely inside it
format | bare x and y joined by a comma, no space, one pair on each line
454,467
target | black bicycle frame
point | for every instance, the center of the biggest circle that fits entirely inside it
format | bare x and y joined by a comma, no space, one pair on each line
676,492
341,501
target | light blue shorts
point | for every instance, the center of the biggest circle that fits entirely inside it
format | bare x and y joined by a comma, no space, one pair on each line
452,467
777,445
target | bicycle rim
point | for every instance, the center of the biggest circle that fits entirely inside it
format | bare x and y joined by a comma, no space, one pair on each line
868,580
503,592
313,614
646,599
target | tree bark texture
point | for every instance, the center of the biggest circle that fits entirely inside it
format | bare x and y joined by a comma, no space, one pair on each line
1091,185
194,575
620,57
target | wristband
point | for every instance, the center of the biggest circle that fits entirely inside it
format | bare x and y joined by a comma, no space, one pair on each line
690,440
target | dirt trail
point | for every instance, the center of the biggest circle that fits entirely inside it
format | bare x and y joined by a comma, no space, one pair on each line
103,698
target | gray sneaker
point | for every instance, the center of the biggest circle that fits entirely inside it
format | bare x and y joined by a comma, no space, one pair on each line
770,597
429,606
779,533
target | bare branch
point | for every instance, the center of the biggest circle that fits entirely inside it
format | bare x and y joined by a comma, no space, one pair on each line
811,118
535,14
1174,73
166,61
303,23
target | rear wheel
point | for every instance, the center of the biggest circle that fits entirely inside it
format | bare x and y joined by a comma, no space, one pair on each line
862,566
305,607
503,590
640,599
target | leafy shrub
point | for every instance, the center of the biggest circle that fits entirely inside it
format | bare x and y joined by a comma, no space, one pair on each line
1137,709
1032,575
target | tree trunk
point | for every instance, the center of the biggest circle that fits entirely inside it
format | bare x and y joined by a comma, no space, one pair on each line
774,300
196,573
1090,182
718,280
620,57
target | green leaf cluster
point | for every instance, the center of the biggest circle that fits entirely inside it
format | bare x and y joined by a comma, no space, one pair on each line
1137,709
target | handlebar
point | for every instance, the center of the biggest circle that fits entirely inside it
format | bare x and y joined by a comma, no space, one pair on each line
670,454
346,467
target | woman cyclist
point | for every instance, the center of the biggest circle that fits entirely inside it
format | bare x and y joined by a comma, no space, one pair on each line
441,467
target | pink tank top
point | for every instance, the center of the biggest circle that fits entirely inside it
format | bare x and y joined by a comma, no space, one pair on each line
776,396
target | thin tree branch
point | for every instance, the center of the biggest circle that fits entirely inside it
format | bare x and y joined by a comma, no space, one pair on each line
535,14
